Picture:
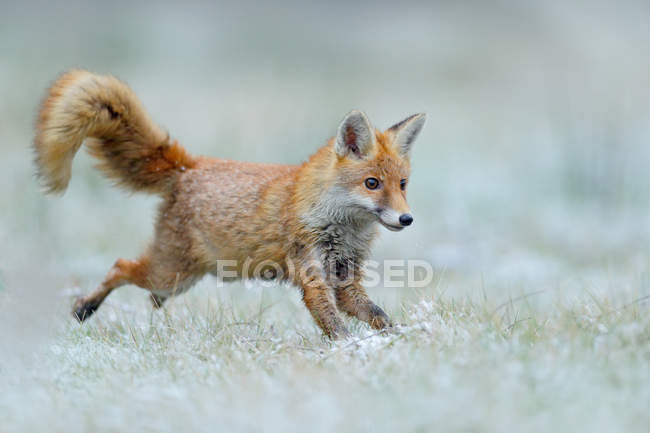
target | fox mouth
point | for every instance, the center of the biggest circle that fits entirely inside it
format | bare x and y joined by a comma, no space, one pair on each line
391,227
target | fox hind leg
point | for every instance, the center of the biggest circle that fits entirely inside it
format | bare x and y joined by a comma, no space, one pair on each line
123,272
157,300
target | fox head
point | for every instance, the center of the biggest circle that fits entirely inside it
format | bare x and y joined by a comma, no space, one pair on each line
373,168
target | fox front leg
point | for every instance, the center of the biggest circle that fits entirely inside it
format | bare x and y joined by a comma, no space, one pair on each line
353,300
319,300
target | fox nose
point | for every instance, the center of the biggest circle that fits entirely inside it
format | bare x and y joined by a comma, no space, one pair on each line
406,219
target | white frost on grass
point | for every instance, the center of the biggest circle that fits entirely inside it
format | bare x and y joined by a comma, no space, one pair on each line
449,364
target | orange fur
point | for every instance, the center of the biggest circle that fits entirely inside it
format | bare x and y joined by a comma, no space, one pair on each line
314,221
131,149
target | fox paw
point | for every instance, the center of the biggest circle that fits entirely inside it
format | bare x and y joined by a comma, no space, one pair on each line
156,300
379,319
83,309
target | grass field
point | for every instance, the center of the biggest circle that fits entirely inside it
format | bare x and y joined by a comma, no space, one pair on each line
211,363
530,192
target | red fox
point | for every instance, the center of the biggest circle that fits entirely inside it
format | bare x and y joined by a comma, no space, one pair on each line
311,225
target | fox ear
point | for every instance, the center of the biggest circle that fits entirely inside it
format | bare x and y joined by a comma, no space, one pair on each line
355,135
406,131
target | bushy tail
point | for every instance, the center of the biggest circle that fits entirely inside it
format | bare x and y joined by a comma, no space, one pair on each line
132,150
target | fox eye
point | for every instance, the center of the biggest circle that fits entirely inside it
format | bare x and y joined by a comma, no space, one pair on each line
372,183
402,184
